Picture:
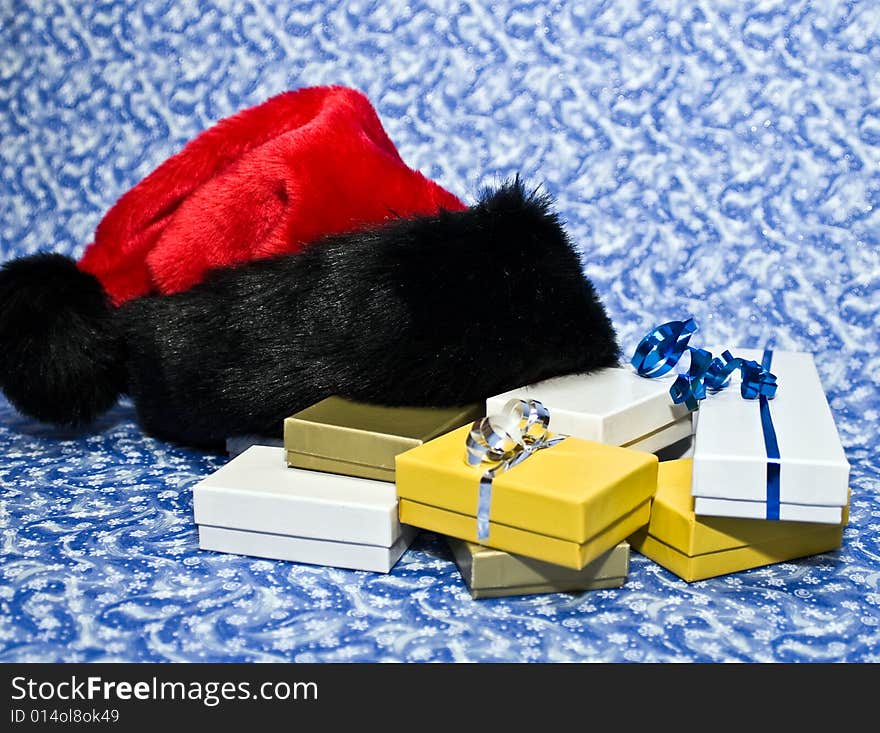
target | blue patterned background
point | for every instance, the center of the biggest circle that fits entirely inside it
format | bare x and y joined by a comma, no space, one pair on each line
720,159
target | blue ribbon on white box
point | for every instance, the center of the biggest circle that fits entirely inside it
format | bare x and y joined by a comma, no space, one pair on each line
504,441
662,350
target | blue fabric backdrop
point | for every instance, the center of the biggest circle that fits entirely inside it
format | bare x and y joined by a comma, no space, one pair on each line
720,159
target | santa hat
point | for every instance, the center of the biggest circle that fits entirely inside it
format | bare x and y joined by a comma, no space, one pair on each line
222,327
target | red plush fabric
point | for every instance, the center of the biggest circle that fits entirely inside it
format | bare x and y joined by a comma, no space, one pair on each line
266,181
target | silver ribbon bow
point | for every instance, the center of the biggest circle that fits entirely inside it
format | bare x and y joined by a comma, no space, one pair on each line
504,441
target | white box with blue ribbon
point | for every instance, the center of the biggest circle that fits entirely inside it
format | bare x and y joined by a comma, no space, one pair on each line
777,458
613,406
256,505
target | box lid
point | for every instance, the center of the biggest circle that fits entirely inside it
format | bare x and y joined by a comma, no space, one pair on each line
673,520
370,435
614,405
257,491
730,448
570,491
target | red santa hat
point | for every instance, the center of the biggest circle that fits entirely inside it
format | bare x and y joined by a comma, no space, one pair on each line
382,309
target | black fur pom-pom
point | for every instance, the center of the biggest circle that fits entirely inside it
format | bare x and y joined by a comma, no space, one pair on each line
60,359
429,311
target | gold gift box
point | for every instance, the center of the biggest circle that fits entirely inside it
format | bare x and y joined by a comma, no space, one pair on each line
566,504
337,435
696,547
490,573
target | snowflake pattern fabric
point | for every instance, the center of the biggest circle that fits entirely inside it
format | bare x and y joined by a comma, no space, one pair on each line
720,160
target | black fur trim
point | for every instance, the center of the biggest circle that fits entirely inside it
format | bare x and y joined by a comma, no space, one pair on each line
60,360
430,311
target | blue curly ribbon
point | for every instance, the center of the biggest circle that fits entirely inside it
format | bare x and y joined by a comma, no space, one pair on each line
504,441
663,348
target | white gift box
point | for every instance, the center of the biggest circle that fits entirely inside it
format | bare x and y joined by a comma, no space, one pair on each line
614,406
256,505
733,476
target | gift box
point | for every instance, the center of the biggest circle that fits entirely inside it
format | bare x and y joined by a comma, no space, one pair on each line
614,406
696,547
565,504
356,439
490,573
775,458
256,505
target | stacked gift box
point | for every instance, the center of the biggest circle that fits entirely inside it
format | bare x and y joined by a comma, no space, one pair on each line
338,440
737,437
352,438
545,488
256,505
768,481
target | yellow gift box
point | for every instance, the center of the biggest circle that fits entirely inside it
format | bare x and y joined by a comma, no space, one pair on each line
565,504
337,435
699,547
